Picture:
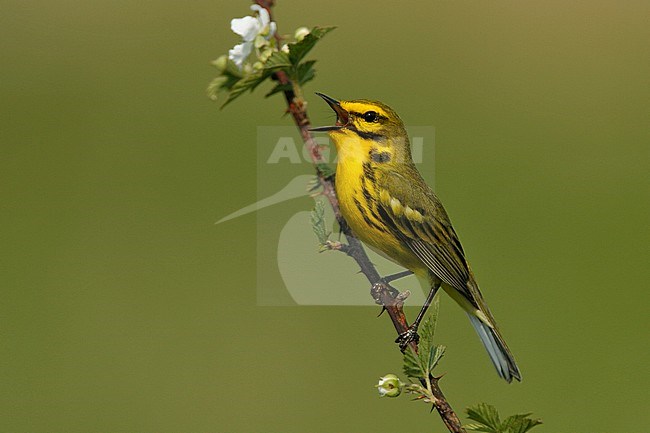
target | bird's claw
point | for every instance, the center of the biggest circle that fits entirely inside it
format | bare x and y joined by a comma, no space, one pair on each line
406,337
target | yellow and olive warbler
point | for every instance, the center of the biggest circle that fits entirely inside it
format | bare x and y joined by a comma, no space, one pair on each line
390,208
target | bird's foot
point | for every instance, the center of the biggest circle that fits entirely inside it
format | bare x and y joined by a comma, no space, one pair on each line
406,337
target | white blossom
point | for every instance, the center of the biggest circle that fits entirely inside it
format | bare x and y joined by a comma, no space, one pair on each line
250,28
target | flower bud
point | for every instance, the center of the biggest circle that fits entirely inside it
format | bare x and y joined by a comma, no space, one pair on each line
285,48
260,41
215,86
221,63
265,54
300,33
389,386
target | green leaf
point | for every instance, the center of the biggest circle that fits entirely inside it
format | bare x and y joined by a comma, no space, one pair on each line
215,86
434,311
301,74
298,50
278,60
428,328
488,421
430,354
318,222
520,423
478,427
305,71
435,355
220,83
411,365
249,82
486,415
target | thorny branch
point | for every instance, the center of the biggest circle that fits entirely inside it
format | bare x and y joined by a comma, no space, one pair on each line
383,293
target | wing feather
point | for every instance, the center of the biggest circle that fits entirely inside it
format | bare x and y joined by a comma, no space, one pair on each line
419,220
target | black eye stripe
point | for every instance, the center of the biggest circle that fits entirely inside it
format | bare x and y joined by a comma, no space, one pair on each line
378,118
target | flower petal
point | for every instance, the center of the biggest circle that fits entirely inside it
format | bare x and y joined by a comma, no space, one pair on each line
272,28
240,52
263,14
265,18
246,27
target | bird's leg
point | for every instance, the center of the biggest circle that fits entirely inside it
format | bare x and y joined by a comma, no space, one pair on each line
411,334
397,276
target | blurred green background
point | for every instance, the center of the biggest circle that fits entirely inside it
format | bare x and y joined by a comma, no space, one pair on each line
125,309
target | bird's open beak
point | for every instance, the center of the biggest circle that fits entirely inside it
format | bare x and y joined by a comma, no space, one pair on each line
342,116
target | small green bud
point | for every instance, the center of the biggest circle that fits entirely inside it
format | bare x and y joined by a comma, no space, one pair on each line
221,63
215,86
258,66
389,386
285,48
300,33
265,54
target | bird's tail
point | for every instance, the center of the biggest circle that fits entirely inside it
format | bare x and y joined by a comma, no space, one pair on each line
497,349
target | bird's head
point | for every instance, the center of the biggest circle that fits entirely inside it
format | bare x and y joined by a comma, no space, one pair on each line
365,126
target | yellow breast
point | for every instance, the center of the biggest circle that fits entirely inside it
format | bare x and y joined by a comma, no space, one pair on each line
359,200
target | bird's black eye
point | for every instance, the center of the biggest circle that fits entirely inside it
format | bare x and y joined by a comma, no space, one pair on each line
370,116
